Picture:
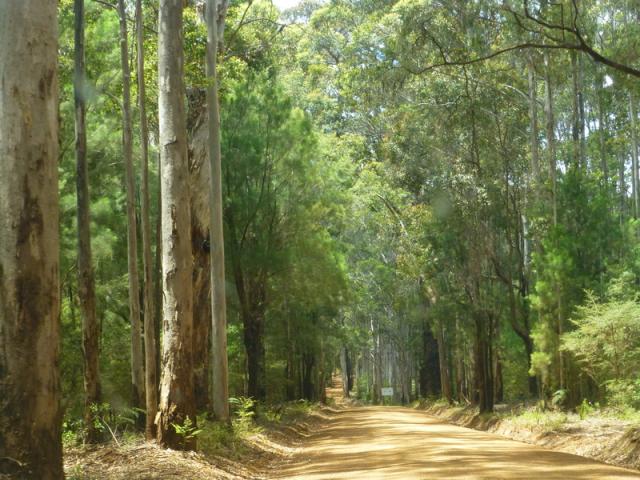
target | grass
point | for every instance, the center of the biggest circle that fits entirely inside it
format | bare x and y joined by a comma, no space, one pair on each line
218,438
545,421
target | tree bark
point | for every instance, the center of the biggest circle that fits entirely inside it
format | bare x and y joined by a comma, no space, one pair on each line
176,385
150,352
308,362
86,282
290,369
445,380
254,344
377,364
215,13
551,142
554,193
634,155
344,368
533,118
622,188
201,304
30,413
137,373
483,367
602,132
430,380
575,124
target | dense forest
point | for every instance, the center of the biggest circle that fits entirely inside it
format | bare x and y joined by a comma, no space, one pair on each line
205,201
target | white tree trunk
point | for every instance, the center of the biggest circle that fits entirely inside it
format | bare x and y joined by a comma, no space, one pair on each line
219,368
634,155
86,282
176,385
137,373
150,352
30,414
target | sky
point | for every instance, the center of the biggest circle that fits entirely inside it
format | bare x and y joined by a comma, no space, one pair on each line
284,4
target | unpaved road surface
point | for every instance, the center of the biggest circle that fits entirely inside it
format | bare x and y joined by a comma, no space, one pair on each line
399,443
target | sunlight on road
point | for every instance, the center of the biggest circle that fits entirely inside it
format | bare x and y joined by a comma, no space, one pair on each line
400,443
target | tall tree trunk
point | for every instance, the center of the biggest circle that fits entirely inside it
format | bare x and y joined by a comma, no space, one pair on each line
200,247
483,366
533,119
30,413
308,362
290,386
344,368
150,352
201,306
377,365
176,385
86,282
158,270
253,322
551,141
551,148
575,136
137,373
445,380
582,115
219,369
634,155
498,384
602,132
622,187
350,372
430,379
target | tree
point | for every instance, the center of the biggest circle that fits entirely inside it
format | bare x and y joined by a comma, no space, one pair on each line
30,413
86,282
176,385
215,12
137,364
150,351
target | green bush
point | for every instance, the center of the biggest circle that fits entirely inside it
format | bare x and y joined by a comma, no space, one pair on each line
586,408
623,394
243,411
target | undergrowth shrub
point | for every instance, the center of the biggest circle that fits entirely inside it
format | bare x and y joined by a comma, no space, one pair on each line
545,421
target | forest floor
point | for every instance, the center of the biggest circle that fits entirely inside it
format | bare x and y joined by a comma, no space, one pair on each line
248,455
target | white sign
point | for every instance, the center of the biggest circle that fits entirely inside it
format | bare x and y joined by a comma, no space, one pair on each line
387,392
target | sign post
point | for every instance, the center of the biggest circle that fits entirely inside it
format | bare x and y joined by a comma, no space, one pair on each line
387,392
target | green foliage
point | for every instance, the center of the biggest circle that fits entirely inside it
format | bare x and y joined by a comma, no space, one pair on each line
188,430
586,408
116,423
606,339
71,432
365,205
217,438
623,394
243,413
541,421
559,398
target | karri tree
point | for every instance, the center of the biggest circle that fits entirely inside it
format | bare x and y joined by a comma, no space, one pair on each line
176,385
30,413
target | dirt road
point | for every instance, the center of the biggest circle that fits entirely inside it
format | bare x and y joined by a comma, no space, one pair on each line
400,443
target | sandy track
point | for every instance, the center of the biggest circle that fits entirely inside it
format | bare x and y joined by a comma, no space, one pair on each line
400,443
